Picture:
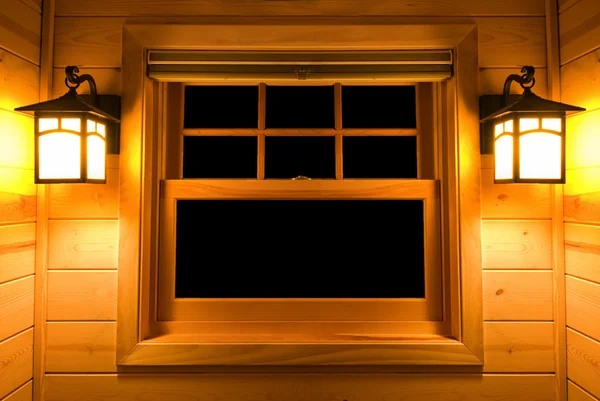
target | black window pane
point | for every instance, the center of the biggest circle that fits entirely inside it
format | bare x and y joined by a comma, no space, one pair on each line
379,107
220,156
300,107
380,156
300,249
221,107
291,156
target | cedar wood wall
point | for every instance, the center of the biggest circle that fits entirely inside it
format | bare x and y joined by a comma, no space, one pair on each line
517,227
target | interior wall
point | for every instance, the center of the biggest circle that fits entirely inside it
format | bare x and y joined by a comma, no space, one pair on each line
20,25
579,27
517,225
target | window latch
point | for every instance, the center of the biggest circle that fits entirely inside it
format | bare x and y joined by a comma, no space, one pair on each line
301,177
302,73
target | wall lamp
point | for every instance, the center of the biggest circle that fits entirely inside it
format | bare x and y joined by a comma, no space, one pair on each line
525,133
74,133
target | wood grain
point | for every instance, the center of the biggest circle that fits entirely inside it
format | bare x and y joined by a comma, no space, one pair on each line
518,347
576,393
582,195
583,355
81,347
16,140
82,244
16,363
580,81
303,387
85,295
582,251
20,28
17,251
583,306
23,393
579,30
16,307
583,139
86,201
19,81
108,81
17,196
564,4
505,201
517,295
517,244
503,42
491,81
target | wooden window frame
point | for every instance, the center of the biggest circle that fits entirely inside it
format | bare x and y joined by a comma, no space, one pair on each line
138,343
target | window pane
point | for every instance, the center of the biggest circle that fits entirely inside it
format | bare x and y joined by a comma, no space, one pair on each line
220,156
380,156
300,249
379,107
221,107
291,156
300,107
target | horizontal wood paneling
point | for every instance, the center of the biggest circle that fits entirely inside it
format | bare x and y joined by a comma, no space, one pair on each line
580,81
583,361
582,251
302,7
23,393
491,81
17,196
516,244
85,201
583,140
16,362
579,30
16,140
16,306
576,393
20,29
82,244
19,81
517,295
108,81
582,195
583,306
82,295
509,201
17,251
81,347
302,387
503,42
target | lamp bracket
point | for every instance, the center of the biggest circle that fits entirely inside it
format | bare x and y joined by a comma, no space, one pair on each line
527,81
72,81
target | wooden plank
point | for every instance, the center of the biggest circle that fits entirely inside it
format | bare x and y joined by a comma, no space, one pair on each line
19,81
34,4
583,140
504,42
580,81
579,30
583,306
108,81
86,201
516,295
23,393
17,251
576,393
16,355
582,195
17,196
506,201
82,244
20,29
16,140
491,81
582,249
81,347
303,387
16,307
517,244
583,355
564,4
85,295
518,347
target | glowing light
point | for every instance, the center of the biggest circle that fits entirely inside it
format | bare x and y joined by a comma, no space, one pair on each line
504,158
96,149
540,156
59,156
